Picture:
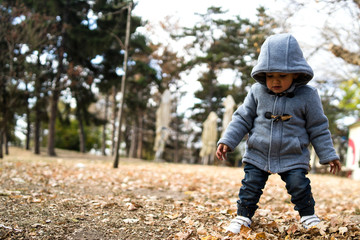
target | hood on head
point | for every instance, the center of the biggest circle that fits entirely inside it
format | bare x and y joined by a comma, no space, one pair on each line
282,53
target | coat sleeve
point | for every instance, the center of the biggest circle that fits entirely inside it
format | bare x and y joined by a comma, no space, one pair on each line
317,127
241,122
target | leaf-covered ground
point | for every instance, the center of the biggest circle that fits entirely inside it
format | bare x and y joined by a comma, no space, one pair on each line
74,196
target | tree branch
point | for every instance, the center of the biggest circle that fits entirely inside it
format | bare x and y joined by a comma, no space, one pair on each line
118,39
347,56
357,2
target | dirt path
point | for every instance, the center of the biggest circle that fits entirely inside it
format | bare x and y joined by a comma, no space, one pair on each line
76,196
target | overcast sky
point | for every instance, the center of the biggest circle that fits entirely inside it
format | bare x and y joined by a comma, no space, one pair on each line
156,10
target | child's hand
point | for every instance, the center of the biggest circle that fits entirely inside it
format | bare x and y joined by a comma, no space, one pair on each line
335,166
221,152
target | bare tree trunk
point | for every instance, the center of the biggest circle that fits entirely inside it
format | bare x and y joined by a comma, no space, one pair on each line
1,144
2,115
123,81
37,124
140,135
5,97
53,111
103,142
80,119
177,152
56,91
3,126
6,142
133,142
53,104
28,128
114,92
177,130
81,133
37,132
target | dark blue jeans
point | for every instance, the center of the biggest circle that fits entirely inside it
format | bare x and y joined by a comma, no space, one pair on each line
297,185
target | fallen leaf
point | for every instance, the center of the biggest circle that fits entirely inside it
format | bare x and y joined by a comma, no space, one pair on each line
18,180
150,222
188,220
167,201
109,205
209,238
281,228
37,225
4,193
271,225
16,196
263,212
292,229
231,211
202,231
130,220
174,216
355,219
35,200
322,226
334,221
5,227
245,231
261,235
184,235
343,230
132,206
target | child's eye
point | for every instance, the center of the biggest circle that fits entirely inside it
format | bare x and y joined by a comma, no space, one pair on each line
283,75
269,76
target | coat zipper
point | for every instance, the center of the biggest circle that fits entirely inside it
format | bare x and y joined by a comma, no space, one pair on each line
271,132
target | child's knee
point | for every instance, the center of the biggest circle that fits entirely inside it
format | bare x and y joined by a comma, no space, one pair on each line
297,181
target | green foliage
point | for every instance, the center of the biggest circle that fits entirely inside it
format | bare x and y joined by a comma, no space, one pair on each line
67,136
111,28
333,112
13,98
351,99
62,31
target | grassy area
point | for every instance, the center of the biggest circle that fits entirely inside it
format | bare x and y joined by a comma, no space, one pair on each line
80,196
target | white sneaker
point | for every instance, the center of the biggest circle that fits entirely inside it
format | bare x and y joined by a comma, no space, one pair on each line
236,223
309,221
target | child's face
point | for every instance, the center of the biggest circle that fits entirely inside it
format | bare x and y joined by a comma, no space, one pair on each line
279,82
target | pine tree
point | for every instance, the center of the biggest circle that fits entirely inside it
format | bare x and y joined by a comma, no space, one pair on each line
12,61
232,44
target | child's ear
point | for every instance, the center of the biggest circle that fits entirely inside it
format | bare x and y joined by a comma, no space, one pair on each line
296,75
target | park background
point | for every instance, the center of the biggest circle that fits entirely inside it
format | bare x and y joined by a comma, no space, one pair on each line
75,72
65,66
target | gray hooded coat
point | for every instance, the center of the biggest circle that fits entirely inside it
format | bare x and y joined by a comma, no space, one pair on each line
277,145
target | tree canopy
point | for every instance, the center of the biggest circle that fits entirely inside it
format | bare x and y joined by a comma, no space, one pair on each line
62,62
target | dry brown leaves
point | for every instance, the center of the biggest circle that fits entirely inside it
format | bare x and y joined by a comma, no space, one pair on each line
75,198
